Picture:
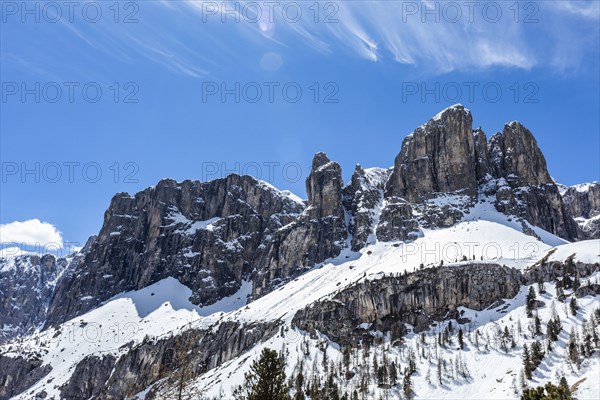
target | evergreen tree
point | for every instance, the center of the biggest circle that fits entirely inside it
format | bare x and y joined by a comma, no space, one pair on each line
541,287
460,339
573,306
573,349
538,326
375,365
537,354
266,378
595,337
382,375
346,361
530,301
299,383
407,386
526,362
393,374
551,331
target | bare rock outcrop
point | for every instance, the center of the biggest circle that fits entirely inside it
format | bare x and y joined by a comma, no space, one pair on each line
437,157
318,233
418,299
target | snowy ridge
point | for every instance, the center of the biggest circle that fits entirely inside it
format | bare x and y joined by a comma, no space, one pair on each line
489,372
455,107
281,193
163,308
155,311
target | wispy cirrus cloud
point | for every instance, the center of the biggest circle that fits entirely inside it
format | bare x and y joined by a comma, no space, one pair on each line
426,34
581,8
196,37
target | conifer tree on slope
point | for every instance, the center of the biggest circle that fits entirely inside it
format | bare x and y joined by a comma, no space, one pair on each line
266,379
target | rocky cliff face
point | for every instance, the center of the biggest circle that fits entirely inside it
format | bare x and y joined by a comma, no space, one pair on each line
18,374
437,157
206,235
524,187
212,235
515,156
583,202
423,298
419,299
318,233
363,198
184,355
27,284
446,156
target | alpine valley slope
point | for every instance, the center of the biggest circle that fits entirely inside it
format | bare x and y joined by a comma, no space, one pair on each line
187,282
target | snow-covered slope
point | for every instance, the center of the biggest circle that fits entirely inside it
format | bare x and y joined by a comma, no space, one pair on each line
155,311
483,370
164,309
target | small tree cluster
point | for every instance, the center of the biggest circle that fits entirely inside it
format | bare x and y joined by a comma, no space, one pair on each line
533,358
548,392
553,328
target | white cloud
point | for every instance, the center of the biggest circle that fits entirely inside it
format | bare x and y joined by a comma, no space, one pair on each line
31,232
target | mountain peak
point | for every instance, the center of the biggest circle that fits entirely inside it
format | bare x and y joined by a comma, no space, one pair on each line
319,159
454,109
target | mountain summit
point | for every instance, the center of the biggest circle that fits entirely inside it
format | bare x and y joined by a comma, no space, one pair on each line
208,271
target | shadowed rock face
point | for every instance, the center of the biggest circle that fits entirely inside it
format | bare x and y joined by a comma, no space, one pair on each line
482,166
437,157
447,156
324,188
17,374
363,198
206,235
526,189
317,234
196,350
27,284
515,155
418,299
209,236
583,202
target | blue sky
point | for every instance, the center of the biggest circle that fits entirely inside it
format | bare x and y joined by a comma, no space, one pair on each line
369,73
